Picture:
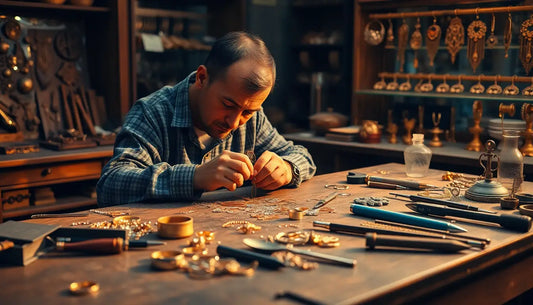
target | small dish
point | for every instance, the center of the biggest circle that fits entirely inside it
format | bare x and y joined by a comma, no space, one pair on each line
175,226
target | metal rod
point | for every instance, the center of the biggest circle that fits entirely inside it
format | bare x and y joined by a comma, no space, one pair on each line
469,11
447,77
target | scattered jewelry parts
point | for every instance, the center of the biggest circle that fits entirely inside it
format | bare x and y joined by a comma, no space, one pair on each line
300,238
244,226
132,224
294,261
372,201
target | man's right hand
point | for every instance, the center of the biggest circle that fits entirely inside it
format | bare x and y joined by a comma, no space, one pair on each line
229,170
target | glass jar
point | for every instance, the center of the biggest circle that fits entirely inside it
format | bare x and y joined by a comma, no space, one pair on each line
417,157
511,165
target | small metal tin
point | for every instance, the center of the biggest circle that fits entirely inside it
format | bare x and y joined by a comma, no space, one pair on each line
175,226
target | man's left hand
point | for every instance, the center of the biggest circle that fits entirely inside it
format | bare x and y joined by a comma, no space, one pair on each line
271,171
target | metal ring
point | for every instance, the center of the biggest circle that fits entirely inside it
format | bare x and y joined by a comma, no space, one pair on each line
297,213
526,209
84,287
336,186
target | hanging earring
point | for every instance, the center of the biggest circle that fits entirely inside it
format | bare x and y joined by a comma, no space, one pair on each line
455,37
433,40
405,86
392,85
529,89
443,87
492,40
476,42
416,42
390,35
512,89
457,88
374,32
403,37
508,35
477,88
526,35
380,85
495,88
427,87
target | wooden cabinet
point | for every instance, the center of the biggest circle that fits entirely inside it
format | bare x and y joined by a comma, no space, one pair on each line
428,71
99,59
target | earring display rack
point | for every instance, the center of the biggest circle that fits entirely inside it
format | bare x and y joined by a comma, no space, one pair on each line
454,12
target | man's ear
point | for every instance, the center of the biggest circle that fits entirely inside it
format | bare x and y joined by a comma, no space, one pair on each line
201,76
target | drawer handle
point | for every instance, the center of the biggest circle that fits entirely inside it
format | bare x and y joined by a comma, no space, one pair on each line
46,172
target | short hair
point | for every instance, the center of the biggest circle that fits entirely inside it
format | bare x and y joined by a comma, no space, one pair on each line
235,46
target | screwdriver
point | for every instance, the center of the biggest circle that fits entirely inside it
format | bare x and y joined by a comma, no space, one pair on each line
104,245
448,203
512,222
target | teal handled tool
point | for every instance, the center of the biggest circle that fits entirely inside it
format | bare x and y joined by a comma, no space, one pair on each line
365,211
512,222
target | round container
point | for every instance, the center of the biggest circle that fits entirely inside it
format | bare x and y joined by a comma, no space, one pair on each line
174,226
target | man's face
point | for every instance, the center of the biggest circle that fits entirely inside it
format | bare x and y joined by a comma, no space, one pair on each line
225,104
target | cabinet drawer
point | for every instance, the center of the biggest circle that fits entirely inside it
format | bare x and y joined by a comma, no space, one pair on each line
43,173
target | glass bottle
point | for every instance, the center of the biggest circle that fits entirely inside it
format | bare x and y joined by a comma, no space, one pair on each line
511,165
417,157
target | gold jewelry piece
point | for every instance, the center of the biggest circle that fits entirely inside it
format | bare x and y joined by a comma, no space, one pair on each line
419,85
443,87
492,40
427,87
512,89
508,35
374,32
167,260
528,91
380,85
295,238
83,288
403,37
455,37
476,42
526,45
405,86
297,213
495,88
390,35
392,85
477,88
416,42
433,40
457,88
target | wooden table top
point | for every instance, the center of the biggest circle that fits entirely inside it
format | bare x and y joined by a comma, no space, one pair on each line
381,276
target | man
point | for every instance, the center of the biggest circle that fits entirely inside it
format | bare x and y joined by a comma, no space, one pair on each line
181,141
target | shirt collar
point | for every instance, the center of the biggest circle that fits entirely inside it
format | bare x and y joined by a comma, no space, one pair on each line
182,112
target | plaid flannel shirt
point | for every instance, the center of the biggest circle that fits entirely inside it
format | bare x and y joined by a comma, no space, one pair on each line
156,151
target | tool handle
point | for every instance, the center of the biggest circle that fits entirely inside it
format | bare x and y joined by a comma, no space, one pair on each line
373,240
95,246
519,223
383,185
406,183
6,244
326,257
266,261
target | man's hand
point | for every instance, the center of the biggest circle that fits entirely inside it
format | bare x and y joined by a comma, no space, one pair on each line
228,170
271,171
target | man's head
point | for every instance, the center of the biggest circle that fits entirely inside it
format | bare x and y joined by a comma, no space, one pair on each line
235,80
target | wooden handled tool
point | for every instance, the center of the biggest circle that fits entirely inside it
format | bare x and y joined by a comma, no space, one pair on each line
95,246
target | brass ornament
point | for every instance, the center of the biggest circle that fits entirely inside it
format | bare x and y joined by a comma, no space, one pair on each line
528,91
455,37
508,35
374,32
433,34
526,45
495,88
405,86
457,88
477,111
476,43
380,85
416,42
436,131
427,87
443,87
393,85
403,37
390,35
477,88
492,40
512,89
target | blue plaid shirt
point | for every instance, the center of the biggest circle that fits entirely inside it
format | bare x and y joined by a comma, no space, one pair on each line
157,151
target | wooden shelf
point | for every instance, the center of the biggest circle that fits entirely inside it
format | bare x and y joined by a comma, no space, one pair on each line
24,5
469,96
61,204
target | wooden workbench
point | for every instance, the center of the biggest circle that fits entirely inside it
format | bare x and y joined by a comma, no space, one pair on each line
492,276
